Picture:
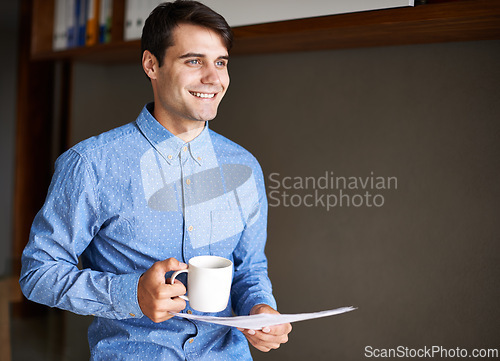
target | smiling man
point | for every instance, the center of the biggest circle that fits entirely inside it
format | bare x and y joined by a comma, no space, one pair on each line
137,202
193,80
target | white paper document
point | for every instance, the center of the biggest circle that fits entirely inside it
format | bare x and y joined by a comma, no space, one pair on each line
258,322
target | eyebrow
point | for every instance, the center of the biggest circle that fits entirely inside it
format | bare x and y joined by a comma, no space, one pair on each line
199,55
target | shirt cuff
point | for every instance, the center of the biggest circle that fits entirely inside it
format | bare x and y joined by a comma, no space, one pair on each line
124,295
257,299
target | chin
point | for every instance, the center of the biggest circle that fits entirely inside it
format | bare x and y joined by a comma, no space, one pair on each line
207,118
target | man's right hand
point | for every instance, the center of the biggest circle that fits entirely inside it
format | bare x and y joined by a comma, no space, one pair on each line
157,298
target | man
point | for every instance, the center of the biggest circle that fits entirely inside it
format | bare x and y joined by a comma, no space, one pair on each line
139,201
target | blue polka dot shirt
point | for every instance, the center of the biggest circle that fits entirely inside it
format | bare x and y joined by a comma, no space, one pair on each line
136,195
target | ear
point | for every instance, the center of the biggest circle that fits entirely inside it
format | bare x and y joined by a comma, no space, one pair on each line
149,64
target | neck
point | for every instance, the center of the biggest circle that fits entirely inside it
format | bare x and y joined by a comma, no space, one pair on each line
186,130
186,135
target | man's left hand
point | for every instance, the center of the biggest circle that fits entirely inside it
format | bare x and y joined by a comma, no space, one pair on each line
268,338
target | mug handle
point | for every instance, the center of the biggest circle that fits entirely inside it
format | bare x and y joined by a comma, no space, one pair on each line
172,280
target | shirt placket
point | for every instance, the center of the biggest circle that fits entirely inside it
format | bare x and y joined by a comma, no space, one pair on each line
186,187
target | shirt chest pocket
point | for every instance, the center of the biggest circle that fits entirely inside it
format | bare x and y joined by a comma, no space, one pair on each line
226,227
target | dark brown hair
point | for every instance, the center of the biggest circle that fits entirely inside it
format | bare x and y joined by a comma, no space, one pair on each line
159,26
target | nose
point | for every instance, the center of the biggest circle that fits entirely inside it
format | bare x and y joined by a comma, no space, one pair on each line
210,75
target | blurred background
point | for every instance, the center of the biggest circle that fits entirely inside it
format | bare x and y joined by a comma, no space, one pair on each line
422,268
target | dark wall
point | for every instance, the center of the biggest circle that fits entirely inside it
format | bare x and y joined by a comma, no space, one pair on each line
422,267
420,263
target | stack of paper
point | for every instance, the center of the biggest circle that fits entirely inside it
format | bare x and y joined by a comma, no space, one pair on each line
258,322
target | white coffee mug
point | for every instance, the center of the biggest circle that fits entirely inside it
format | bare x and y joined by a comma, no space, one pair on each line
208,283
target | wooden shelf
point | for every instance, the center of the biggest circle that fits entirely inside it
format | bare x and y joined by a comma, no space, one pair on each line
114,52
42,35
436,21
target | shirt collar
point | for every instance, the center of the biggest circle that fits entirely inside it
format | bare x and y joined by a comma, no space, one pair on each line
167,144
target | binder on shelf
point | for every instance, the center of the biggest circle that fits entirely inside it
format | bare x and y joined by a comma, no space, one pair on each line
71,31
139,18
81,21
144,10
92,27
105,20
60,39
136,13
131,10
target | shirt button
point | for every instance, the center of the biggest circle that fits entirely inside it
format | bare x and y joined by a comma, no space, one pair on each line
169,156
199,158
190,312
188,181
191,340
190,228
184,148
132,314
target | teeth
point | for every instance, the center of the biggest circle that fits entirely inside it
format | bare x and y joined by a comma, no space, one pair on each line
203,95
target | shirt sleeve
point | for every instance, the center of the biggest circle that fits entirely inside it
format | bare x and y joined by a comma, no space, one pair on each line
61,231
251,285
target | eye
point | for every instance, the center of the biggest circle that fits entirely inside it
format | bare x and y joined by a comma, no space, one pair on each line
193,62
221,63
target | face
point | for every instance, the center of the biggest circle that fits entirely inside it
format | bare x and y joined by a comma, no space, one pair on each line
193,79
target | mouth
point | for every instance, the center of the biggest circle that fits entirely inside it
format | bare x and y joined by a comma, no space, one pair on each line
203,95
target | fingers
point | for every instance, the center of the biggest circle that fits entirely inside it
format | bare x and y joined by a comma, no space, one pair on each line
278,330
269,338
263,341
162,310
156,298
170,264
157,302
164,291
